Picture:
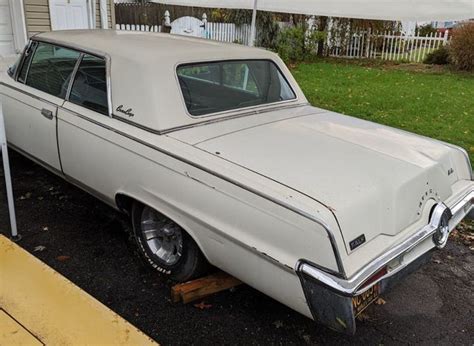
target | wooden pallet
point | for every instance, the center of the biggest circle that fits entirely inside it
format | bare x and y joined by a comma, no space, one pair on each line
200,288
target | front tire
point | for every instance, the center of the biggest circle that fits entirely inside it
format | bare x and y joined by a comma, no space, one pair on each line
165,246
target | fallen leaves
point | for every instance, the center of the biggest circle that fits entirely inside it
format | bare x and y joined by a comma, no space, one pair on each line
464,233
203,306
63,258
39,248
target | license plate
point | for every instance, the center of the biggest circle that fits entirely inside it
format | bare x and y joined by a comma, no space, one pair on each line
360,302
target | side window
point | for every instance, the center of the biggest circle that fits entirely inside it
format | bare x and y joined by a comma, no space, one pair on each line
51,68
90,85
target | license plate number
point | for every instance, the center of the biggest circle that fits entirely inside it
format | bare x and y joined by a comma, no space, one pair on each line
363,300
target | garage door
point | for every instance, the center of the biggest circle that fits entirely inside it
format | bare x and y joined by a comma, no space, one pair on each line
6,31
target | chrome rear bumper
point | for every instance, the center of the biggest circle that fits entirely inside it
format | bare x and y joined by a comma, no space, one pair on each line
330,297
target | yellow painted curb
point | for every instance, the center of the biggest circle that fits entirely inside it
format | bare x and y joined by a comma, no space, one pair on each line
40,305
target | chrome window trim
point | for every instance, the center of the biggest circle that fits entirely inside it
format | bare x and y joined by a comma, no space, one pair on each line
352,286
73,76
231,112
206,122
97,53
29,63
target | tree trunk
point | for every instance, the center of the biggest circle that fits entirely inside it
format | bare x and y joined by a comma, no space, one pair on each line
323,22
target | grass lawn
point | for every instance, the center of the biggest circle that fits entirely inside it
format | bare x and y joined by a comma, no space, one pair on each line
438,105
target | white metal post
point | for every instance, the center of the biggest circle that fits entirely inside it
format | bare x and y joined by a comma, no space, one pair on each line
253,28
8,180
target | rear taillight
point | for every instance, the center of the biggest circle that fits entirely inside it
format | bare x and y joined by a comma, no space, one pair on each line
377,275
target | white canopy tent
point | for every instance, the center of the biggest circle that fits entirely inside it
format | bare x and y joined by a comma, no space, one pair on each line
6,172
407,10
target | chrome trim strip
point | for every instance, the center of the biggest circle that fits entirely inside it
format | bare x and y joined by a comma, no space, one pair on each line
340,273
29,94
236,116
458,206
296,99
33,51
352,286
73,76
206,122
97,53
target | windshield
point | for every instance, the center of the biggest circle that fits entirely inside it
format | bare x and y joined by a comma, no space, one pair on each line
228,85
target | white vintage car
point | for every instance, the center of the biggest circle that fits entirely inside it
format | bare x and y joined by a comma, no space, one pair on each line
215,153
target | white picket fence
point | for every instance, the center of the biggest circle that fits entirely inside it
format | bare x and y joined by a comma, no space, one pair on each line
224,32
133,27
386,46
228,32
364,44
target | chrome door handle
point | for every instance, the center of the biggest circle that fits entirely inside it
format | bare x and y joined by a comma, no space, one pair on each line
47,113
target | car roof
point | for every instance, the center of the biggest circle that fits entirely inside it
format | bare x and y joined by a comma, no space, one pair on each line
142,70
122,43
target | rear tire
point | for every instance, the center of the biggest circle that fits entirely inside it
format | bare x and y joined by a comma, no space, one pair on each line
165,246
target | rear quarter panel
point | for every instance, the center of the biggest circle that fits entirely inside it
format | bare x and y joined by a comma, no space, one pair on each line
244,234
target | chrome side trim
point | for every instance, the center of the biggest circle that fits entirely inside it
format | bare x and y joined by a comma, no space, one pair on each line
36,97
352,286
339,273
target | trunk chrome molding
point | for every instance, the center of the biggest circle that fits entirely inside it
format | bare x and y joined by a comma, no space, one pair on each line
352,287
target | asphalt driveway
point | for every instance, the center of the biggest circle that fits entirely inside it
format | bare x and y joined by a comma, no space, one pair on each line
85,241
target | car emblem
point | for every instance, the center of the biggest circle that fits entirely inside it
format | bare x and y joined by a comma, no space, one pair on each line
440,237
128,111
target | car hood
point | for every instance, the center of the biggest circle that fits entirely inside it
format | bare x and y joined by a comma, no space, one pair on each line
375,179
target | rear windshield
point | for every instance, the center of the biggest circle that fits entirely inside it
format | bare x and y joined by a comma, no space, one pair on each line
228,85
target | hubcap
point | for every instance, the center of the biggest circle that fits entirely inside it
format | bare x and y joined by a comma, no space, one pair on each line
163,237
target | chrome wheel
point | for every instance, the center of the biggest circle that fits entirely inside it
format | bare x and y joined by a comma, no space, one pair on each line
163,237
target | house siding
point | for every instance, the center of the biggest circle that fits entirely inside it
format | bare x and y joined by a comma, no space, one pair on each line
110,14
38,16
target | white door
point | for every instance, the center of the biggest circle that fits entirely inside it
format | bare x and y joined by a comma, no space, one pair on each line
6,30
69,14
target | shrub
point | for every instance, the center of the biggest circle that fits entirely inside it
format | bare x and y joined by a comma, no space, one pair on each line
439,56
461,50
290,44
295,44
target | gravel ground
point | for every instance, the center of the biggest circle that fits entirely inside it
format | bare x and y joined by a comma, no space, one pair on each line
85,241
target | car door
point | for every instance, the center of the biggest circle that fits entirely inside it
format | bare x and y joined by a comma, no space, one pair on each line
31,101
87,154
